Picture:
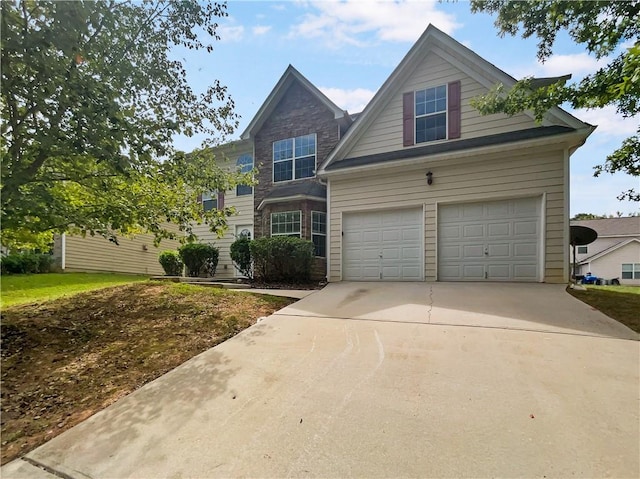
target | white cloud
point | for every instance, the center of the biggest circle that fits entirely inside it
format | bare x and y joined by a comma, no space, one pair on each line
353,101
578,64
261,29
346,22
231,33
609,121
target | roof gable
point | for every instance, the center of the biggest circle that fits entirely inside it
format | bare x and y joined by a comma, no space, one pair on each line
607,227
436,43
290,76
610,249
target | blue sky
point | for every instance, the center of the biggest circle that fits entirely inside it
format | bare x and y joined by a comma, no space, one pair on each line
349,48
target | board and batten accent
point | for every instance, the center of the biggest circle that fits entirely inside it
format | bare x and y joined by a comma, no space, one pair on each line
490,240
486,177
383,245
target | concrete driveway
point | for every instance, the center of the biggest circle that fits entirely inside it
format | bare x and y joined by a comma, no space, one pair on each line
382,380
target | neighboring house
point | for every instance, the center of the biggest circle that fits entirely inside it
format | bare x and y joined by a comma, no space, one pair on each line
138,255
417,187
616,251
422,187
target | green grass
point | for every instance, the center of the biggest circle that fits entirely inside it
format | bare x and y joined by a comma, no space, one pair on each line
621,303
30,288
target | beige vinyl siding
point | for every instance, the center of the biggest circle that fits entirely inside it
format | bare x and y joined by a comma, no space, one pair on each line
244,207
244,210
132,255
501,176
385,132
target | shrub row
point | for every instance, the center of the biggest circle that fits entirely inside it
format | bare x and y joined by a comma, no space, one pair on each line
198,258
276,259
22,263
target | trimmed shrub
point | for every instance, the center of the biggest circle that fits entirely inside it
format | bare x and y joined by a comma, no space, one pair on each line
199,258
282,259
26,263
241,256
171,263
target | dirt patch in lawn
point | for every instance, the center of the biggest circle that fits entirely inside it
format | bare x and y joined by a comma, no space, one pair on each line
64,360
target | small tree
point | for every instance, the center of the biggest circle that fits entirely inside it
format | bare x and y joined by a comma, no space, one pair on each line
241,256
171,263
199,258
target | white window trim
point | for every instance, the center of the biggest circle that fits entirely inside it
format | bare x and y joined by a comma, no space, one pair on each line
446,115
285,234
635,268
293,159
320,234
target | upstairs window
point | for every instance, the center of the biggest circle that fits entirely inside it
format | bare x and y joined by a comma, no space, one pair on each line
294,158
431,114
582,250
209,201
245,165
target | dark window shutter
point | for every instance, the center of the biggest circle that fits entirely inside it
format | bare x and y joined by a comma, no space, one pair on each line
220,200
454,109
408,126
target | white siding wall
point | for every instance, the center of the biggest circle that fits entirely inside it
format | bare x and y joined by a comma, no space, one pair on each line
599,245
385,133
609,266
522,173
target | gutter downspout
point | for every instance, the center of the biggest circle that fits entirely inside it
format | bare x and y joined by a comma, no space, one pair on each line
63,261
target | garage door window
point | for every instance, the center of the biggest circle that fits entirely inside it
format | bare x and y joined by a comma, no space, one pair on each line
286,223
319,233
631,271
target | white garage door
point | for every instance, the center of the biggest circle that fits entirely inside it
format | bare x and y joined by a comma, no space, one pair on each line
493,240
382,246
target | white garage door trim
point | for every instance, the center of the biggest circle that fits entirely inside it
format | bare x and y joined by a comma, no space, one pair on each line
494,239
383,245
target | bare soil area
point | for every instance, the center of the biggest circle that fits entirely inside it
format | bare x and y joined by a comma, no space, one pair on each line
64,360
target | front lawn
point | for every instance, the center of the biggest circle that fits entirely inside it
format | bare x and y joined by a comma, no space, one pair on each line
64,360
621,303
30,288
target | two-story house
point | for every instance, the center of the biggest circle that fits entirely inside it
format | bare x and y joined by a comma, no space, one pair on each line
417,187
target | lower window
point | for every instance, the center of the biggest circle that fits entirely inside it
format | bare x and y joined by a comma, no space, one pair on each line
630,271
286,223
319,233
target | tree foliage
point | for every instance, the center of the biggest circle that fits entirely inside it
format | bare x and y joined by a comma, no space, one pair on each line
92,97
605,28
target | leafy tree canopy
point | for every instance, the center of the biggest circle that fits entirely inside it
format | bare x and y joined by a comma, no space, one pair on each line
601,26
91,99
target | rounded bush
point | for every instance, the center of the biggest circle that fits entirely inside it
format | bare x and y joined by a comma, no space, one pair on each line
171,263
241,256
199,258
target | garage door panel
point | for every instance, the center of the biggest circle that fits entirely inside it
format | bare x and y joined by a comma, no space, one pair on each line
473,231
498,229
494,240
389,246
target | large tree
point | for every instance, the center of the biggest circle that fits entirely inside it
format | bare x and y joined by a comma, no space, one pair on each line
602,27
92,97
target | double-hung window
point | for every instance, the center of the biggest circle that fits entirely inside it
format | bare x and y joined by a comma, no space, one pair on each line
319,233
582,250
294,158
286,224
630,271
210,201
431,114
245,165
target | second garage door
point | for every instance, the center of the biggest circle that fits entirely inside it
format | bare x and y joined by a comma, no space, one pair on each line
493,240
383,245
